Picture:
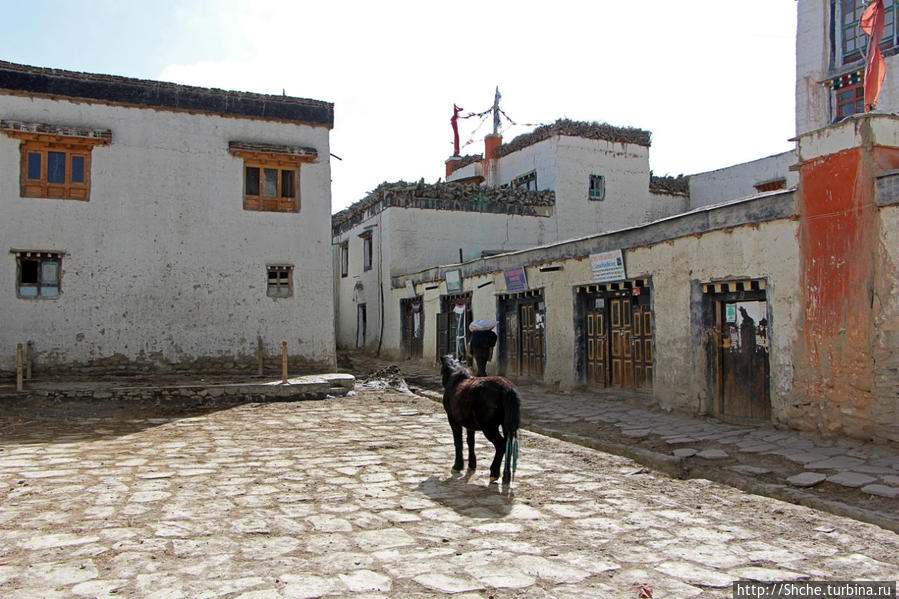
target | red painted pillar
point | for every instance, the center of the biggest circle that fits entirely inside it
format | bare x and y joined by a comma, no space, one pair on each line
491,143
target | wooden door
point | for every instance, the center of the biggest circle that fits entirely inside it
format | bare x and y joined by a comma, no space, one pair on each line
531,342
643,349
596,348
621,346
412,334
743,360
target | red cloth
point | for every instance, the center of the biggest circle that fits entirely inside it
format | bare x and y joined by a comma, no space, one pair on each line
871,22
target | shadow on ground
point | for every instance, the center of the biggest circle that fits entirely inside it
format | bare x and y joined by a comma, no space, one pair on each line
29,421
473,500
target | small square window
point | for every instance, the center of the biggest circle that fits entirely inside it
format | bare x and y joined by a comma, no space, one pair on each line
280,281
38,274
597,189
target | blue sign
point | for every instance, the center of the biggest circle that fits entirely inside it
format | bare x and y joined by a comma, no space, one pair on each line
515,279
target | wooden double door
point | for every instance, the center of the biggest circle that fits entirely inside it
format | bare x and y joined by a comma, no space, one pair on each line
619,342
524,340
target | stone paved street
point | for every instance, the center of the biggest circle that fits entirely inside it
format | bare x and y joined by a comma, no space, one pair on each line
843,476
353,497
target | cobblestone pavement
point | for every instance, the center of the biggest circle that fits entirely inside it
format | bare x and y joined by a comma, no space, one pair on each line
353,497
843,476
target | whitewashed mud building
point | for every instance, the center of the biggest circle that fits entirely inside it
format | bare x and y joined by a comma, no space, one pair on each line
152,226
562,181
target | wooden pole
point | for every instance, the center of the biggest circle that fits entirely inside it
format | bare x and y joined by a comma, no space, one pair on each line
284,361
259,357
28,359
19,385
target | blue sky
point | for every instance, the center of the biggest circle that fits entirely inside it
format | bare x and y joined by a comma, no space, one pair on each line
713,80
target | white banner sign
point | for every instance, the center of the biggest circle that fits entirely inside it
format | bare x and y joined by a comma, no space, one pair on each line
607,266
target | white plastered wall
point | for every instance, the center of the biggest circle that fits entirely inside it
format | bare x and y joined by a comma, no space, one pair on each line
739,181
163,263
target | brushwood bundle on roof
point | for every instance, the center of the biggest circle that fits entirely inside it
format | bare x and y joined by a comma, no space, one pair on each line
466,160
679,185
604,131
448,196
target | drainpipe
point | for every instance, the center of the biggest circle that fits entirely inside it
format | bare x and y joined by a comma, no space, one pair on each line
380,282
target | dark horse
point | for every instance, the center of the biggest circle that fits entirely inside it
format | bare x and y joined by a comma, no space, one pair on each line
481,404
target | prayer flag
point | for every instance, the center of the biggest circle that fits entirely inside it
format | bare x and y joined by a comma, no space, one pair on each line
871,22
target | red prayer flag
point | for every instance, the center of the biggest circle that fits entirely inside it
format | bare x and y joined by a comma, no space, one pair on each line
871,22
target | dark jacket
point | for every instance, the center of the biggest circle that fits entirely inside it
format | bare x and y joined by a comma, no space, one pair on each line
482,340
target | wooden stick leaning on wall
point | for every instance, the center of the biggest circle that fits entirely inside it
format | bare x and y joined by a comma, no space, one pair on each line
19,384
259,357
284,362
29,353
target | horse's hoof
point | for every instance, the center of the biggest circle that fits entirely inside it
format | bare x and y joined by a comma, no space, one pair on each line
456,470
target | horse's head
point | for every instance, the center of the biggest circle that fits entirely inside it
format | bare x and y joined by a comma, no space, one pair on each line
449,366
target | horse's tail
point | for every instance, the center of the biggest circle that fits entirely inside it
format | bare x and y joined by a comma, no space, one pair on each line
511,422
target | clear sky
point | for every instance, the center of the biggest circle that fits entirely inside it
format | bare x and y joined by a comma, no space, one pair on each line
713,80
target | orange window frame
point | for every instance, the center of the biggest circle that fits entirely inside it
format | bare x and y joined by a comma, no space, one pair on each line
287,193
38,184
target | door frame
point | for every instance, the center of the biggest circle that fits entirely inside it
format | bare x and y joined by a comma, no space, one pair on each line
715,297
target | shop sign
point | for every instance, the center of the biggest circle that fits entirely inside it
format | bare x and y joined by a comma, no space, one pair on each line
607,266
453,280
515,279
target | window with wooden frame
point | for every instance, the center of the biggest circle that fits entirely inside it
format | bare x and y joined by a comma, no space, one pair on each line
850,99
271,175
344,259
55,161
280,280
38,274
854,41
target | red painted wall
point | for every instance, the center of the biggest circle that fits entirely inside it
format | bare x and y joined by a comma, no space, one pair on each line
838,241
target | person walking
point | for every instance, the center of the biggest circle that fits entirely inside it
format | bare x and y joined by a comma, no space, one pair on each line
481,343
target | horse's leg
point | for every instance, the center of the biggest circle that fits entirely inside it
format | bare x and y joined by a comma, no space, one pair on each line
472,460
457,441
499,442
507,471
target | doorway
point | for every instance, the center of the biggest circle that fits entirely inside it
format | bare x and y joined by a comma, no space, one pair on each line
741,342
361,324
412,323
452,325
522,335
614,334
